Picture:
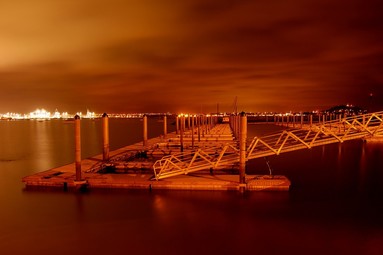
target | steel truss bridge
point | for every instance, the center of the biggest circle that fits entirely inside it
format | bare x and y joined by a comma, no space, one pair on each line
308,136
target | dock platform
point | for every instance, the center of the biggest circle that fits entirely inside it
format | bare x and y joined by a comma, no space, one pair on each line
132,168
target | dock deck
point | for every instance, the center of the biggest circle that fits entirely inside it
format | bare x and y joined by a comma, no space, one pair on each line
131,171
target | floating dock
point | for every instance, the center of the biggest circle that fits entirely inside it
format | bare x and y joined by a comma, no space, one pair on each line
56,178
131,167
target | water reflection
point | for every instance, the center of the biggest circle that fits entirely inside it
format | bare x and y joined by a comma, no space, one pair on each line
362,169
319,211
41,141
339,158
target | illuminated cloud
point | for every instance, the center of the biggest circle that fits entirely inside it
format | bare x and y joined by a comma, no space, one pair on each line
124,55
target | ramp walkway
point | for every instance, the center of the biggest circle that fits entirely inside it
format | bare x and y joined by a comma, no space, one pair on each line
309,136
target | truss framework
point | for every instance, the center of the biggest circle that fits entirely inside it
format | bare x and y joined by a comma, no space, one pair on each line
309,136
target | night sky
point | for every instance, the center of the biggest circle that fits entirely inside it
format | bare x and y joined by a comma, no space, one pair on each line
189,55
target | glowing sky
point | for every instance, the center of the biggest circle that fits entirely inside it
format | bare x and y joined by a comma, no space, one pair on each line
189,55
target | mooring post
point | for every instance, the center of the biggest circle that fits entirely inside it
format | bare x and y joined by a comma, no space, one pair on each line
183,124
105,137
311,120
199,128
242,148
209,122
165,126
182,128
192,131
177,125
235,126
238,126
77,132
203,125
145,127
206,125
232,124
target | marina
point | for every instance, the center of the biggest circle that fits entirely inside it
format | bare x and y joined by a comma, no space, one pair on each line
131,167
202,154
334,189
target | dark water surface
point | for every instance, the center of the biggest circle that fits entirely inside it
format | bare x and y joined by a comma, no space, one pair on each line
335,204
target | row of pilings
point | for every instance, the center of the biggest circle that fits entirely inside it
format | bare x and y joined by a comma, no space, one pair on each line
238,124
196,126
298,120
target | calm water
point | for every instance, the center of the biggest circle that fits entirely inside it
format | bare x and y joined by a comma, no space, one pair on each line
335,205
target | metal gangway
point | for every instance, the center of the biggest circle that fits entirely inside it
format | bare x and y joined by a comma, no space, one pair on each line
306,137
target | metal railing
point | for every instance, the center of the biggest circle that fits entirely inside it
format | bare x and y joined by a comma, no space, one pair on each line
354,127
308,136
184,163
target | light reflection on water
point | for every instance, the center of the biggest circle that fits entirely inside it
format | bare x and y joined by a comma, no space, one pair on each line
334,205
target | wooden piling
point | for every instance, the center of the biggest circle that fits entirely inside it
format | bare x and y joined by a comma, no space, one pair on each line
165,126
301,120
182,128
203,125
192,131
77,130
177,125
242,148
199,128
183,122
145,130
105,137
311,120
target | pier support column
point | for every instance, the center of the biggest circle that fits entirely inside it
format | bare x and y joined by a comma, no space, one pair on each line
311,120
77,147
235,126
242,148
177,125
232,124
105,137
182,129
203,125
192,131
165,126
183,123
145,129
199,128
